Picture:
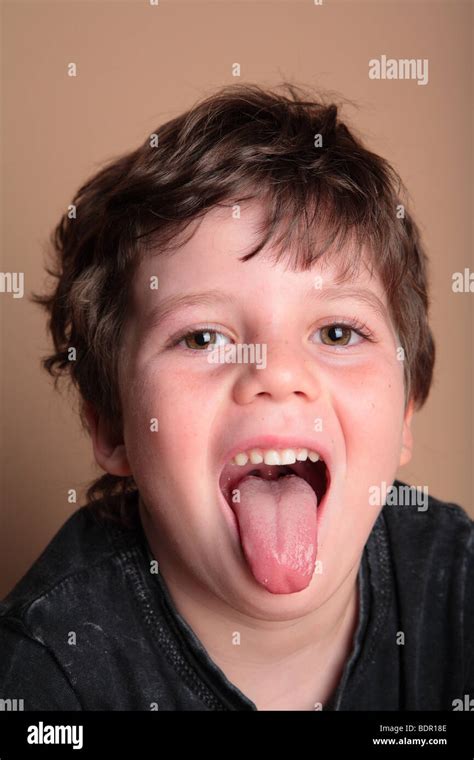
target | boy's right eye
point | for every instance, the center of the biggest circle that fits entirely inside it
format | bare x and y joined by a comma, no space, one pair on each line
197,340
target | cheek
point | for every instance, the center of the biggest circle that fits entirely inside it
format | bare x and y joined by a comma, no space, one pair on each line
169,415
369,403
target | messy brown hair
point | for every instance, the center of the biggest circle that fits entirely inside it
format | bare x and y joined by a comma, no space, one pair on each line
322,188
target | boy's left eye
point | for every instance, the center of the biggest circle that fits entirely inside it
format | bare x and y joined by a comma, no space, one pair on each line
338,335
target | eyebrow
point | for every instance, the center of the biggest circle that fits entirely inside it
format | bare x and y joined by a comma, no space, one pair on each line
364,295
170,304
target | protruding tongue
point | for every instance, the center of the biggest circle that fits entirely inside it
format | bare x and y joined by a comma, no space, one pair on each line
278,531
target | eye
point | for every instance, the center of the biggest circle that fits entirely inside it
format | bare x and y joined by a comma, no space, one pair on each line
340,334
197,340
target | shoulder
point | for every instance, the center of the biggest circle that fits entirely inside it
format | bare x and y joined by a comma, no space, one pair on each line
79,572
431,550
31,678
85,542
431,555
421,526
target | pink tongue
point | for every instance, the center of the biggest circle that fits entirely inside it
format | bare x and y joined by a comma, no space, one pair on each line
278,531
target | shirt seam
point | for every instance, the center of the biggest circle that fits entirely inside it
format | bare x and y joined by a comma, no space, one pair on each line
185,670
17,626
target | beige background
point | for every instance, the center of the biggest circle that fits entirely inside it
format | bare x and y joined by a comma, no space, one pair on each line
139,66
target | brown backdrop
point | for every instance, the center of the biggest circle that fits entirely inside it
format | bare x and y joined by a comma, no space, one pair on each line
139,65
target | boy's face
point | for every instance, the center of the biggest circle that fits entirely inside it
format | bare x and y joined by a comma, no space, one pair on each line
348,399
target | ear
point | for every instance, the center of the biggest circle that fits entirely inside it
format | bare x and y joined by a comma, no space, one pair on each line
407,435
109,452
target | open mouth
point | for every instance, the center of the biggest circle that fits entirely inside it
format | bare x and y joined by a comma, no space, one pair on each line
316,474
276,498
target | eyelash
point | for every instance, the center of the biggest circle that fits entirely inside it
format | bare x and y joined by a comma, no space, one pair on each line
353,324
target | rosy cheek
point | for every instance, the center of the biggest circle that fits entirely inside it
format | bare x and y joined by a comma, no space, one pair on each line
368,401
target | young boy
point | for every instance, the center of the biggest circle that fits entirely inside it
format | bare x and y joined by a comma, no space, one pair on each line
246,294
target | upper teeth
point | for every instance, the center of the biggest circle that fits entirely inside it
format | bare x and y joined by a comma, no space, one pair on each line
275,456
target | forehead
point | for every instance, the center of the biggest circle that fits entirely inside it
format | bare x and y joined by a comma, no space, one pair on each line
208,260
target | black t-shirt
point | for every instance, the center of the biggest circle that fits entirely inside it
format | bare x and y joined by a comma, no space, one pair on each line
90,627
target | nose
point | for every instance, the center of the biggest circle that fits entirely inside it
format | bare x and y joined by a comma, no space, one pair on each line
288,372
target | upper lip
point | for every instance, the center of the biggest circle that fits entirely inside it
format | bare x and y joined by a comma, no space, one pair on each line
280,442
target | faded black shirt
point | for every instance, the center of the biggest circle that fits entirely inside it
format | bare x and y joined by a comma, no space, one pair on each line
412,648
